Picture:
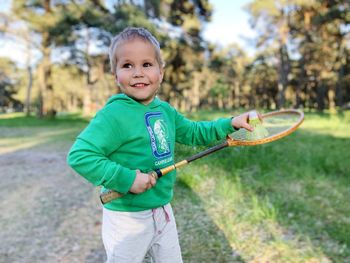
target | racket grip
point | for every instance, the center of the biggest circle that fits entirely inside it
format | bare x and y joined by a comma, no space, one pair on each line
111,195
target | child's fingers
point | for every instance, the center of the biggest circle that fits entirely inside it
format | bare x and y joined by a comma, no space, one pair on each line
142,183
153,180
247,127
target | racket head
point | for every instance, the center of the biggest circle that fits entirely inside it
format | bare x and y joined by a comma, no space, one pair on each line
277,123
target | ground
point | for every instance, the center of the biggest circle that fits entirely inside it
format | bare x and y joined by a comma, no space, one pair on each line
49,214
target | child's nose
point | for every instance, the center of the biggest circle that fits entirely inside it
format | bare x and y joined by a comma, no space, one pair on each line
138,72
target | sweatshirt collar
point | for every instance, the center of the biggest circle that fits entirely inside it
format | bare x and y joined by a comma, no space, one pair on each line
153,104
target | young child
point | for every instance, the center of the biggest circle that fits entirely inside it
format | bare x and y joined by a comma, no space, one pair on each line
133,134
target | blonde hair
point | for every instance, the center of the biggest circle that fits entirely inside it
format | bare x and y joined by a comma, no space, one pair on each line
131,33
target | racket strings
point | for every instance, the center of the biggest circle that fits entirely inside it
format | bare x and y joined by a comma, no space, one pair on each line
271,126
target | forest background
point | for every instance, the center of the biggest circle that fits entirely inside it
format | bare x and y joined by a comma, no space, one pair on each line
301,60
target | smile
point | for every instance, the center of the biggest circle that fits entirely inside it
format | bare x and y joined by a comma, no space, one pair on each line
139,85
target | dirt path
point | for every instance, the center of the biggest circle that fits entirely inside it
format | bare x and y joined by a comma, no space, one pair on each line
49,214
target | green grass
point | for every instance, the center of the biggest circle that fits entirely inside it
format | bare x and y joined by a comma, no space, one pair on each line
287,201
20,120
18,131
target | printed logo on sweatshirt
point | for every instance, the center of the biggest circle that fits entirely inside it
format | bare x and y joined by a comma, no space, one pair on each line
159,134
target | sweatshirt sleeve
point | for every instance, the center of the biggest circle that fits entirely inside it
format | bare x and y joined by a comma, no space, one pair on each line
89,156
202,132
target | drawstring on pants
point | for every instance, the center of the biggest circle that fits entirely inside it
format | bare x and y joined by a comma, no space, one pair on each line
157,218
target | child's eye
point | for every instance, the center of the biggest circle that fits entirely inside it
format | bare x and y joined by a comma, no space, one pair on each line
147,64
127,65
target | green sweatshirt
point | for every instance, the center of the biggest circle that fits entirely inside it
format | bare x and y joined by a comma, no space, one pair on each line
125,136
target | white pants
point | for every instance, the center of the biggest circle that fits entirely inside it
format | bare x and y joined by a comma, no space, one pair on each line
129,236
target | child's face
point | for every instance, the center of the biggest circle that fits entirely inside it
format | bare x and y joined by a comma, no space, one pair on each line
138,72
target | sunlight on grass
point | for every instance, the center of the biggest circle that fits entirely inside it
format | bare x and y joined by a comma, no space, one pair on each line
333,125
21,120
249,222
18,132
282,202
23,138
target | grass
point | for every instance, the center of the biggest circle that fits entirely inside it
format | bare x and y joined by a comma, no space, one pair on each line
14,120
281,202
18,131
287,201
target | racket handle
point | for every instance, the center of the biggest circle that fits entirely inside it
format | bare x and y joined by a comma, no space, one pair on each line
111,195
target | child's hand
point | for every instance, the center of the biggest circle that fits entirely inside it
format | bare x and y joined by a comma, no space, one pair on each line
142,183
242,121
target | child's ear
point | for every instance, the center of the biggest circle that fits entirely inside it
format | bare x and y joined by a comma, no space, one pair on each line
116,80
161,74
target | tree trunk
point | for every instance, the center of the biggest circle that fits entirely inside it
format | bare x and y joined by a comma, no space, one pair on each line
87,103
301,84
284,68
40,112
46,94
230,98
220,101
30,74
29,91
339,87
48,103
320,95
343,59
183,101
331,99
237,95
195,99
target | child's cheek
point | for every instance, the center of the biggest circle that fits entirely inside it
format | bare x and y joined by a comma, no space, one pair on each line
122,79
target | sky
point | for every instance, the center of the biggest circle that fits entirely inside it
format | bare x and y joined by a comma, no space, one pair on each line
229,25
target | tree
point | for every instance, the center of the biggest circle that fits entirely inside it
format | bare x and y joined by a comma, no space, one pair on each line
272,18
10,30
319,29
262,78
39,16
8,83
84,32
228,67
179,28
